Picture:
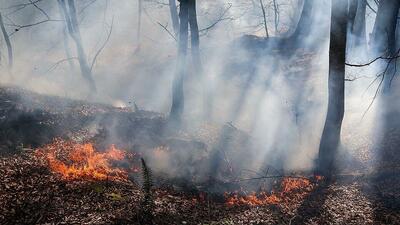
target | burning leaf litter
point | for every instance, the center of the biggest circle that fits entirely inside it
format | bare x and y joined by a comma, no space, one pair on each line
82,161
290,188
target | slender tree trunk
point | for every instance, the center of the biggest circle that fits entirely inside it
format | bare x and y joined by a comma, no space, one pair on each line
8,43
265,18
174,16
353,5
65,39
177,87
196,57
359,27
276,13
330,139
66,47
305,22
383,38
194,31
73,28
139,25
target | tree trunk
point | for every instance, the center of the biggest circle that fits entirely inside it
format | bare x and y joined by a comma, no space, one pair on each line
276,20
330,139
353,5
73,29
383,38
177,87
174,16
65,39
8,43
139,25
194,34
196,57
305,22
359,26
264,18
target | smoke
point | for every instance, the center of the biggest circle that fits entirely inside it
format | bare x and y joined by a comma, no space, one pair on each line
278,99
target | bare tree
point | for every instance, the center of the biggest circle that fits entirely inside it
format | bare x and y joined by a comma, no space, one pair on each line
330,139
304,25
139,25
69,12
177,87
383,37
359,26
174,16
276,13
8,42
265,18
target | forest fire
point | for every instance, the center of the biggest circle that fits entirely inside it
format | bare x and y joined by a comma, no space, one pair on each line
293,187
74,161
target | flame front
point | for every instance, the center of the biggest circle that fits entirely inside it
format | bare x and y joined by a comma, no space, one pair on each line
289,187
81,161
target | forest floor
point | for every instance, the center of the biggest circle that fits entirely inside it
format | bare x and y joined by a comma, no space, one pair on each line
31,193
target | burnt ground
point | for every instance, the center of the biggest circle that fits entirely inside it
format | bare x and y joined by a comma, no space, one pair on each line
31,194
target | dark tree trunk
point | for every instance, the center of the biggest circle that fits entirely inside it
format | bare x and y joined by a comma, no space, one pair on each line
330,139
356,34
174,16
383,38
177,87
194,34
73,29
383,35
8,43
196,57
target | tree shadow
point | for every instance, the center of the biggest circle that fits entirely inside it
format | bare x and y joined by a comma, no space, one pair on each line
312,205
383,187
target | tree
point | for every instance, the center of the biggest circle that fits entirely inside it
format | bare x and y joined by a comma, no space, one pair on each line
383,37
330,139
177,86
359,26
139,25
68,11
304,25
174,16
356,30
8,42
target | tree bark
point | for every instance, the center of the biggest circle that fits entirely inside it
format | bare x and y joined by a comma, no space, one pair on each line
8,43
177,87
330,139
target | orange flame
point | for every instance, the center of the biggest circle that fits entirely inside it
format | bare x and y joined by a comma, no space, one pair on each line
289,187
81,161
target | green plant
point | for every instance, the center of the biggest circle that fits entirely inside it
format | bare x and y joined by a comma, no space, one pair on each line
147,205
